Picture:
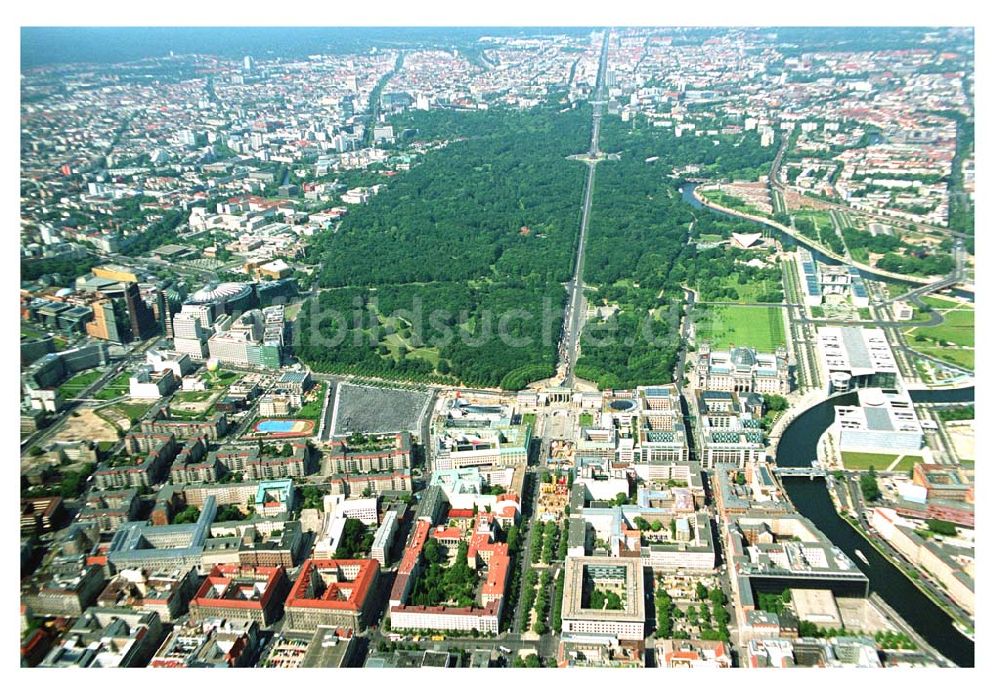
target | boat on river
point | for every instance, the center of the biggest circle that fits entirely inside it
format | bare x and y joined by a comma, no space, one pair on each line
864,558
964,630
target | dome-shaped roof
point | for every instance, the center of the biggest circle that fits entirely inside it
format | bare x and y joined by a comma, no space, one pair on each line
743,357
218,293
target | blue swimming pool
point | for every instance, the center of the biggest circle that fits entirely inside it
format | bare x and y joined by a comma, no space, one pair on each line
276,426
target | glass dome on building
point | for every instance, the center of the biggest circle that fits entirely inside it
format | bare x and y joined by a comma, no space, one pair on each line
743,358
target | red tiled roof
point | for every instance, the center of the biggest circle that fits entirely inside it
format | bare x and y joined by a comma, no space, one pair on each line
356,590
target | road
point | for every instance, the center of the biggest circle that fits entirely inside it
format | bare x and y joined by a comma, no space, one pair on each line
42,436
901,561
573,323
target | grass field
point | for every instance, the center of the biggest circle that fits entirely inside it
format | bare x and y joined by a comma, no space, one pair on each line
762,328
116,388
134,410
958,327
820,218
938,302
863,460
131,409
78,383
749,292
400,347
312,409
222,378
195,396
963,358
720,197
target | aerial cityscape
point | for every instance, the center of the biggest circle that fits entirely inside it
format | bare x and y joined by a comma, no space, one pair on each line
497,348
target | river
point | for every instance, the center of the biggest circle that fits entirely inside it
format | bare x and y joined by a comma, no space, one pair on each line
797,448
687,194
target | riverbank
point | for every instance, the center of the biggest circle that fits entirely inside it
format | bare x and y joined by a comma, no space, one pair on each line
794,234
908,569
797,447
845,502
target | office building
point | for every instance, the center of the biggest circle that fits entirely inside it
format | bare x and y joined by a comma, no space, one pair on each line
214,644
823,283
883,422
142,322
728,427
149,384
336,593
191,333
593,579
108,638
384,537
856,357
167,594
241,593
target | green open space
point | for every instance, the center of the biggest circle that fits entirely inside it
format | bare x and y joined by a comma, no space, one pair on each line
221,378
863,460
313,408
484,227
724,199
645,242
958,328
31,332
116,388
194,396
963,358
759,327
942,302
78,383
762,290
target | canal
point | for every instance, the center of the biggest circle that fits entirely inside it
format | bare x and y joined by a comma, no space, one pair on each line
797,448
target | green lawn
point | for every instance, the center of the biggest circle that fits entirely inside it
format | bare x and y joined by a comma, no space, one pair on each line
134,410
820,218
194,396
78,383
864,460
906,464
749,292
963,358
939,302
223,378
313,409
431,354
116,388
31,332
586,419
958,327
720,197
762,328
